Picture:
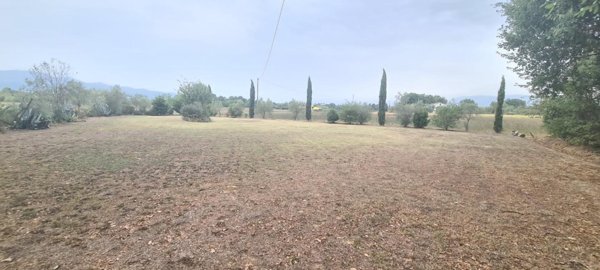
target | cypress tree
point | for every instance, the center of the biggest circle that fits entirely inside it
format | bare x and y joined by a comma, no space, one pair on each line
252,99
499,104
382,100
309,100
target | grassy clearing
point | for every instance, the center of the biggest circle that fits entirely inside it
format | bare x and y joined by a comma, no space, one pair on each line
482,123
159,193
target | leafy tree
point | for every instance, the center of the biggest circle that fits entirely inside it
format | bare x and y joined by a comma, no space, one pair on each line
469,110
196,92
115,99
235,109
191,92
160,106
420,117
216,107
99,107
232,99
78,95
515,102
555,46
355,113
264,107
332,116
499,113
141,104
309,100
49,83
446,116
404,113
382,100
414,98
177,103
295,107
252,99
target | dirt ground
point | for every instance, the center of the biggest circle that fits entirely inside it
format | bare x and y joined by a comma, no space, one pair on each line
160,193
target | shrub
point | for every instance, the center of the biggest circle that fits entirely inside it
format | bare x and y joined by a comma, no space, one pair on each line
420,118
404,114
264,107
177,103
577,122
295,107
7,117
115,99
332,116
160,106
446,116
469,110
236,109
141,104
99,109
195,112
31,116
355,113
128,109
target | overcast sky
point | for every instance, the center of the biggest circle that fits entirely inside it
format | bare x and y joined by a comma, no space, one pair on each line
446,47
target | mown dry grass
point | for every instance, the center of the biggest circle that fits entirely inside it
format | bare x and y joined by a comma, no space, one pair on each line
160,193
482,123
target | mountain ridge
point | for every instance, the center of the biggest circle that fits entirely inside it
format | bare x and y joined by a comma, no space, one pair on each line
15,79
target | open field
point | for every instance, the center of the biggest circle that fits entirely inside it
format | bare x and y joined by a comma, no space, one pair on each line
159,193
482,123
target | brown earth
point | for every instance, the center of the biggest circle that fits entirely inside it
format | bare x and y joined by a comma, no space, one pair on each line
160,193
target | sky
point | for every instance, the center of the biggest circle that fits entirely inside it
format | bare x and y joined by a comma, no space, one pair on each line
445,47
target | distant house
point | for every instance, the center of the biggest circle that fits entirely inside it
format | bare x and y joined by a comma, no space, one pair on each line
316,108
437,105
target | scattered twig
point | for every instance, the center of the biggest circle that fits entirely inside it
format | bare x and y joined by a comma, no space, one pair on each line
513,212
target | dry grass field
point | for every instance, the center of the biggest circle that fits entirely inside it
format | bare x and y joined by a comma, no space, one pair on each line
159,193
482,123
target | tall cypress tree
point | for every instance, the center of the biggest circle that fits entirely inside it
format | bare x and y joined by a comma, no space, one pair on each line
499,104
382,100
252,99
309,100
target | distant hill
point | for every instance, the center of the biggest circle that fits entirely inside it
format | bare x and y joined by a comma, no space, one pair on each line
15,79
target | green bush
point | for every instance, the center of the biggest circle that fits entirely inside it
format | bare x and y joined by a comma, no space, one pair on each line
235,110
8,115
404,114
99,109
177,103
420,118
355,113
264,108
160,106
332,116
446,116
31,115
128,109
577,122
195,112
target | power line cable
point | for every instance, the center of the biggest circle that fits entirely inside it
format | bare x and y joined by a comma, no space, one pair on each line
273,41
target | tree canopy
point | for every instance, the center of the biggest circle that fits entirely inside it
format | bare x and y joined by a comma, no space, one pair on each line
555,46
413,98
